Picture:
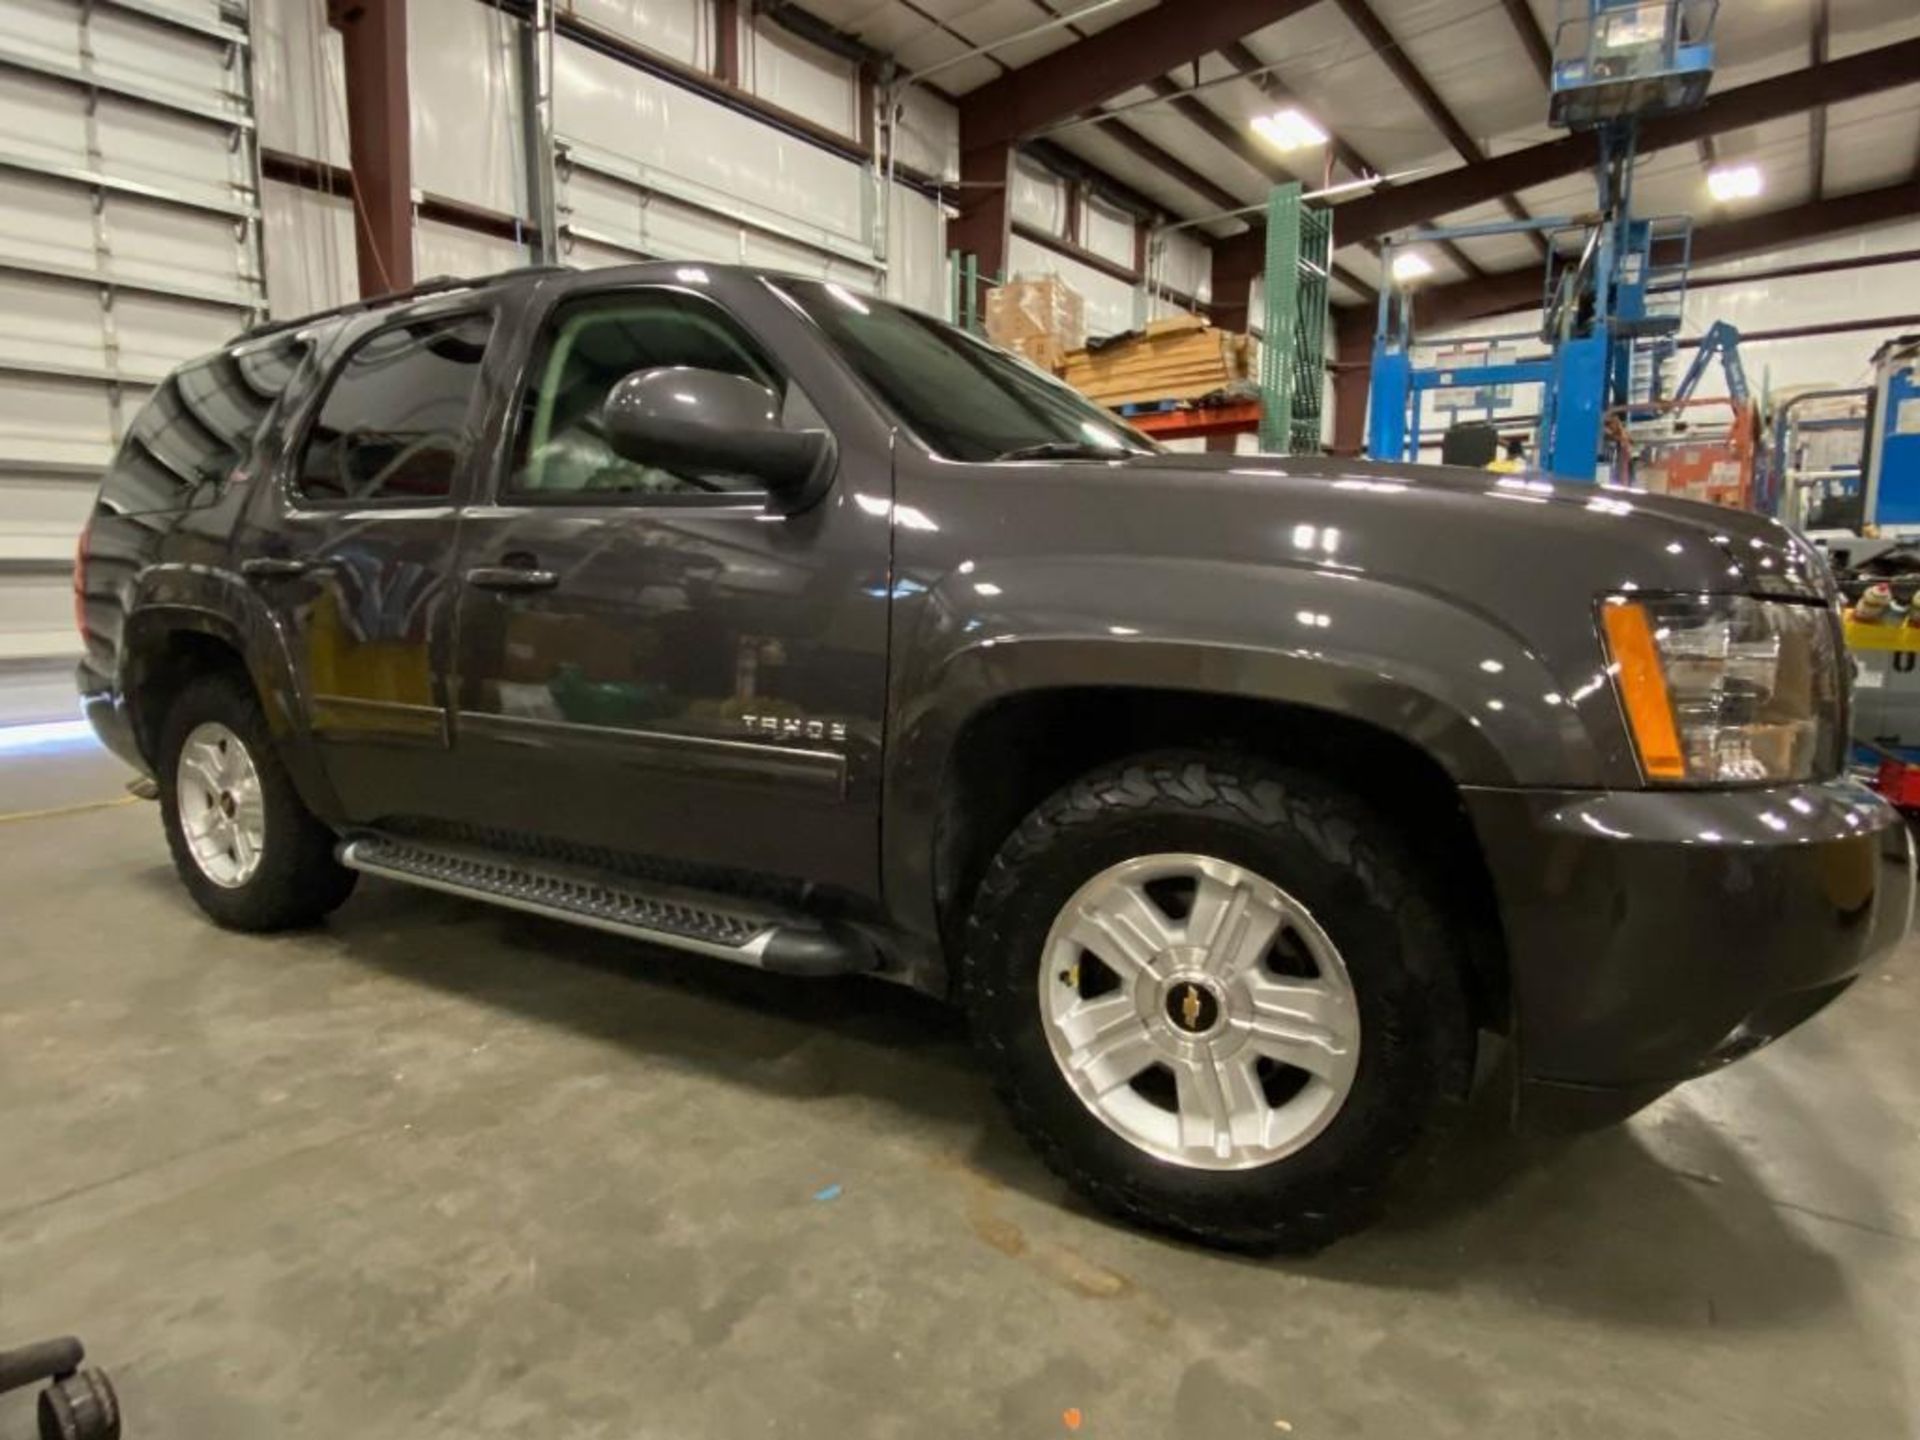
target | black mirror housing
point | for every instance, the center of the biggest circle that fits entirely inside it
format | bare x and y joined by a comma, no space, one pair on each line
681,417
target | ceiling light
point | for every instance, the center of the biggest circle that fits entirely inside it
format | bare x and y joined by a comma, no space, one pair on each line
1289,129
1734,182
1410,265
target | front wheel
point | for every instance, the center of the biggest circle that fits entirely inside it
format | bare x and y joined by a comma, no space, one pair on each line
247,849
1213,994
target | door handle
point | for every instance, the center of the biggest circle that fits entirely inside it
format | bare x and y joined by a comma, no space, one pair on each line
275,567
511,577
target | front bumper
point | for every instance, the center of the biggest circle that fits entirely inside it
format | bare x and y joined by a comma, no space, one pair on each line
1654,935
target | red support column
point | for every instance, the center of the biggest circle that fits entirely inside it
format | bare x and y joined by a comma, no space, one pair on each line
726,29
982,229
379,139
1236,261
1352,367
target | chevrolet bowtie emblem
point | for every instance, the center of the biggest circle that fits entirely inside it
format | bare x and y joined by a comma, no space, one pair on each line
1190,1008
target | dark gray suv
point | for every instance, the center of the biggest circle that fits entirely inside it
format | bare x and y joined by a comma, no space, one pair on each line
1243,802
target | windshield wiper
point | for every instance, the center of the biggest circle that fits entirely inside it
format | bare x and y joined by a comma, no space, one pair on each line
1064,450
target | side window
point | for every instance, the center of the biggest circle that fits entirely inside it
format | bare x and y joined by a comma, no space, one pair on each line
394,423
199,424
560,449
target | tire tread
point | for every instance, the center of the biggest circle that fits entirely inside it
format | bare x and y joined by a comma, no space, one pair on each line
299,882
1345,834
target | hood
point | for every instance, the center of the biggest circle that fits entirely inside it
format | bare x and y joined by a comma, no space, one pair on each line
1631,539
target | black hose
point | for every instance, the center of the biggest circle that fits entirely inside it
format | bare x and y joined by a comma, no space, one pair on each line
31,1364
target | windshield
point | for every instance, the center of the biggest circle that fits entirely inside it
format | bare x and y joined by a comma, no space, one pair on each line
963,398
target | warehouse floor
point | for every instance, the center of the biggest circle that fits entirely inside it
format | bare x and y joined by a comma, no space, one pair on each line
438,1170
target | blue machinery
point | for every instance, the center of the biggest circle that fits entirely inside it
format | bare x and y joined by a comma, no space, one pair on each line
1613,287
1865,480
1893,437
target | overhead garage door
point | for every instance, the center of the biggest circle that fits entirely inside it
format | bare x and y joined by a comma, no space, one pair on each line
129,241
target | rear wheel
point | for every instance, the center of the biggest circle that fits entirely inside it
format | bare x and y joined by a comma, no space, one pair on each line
245,846
1213,992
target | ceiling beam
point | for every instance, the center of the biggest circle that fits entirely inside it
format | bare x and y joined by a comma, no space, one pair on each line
1242,58
1395,208
1230,137
1170,165
1211,124
1725,240
1532,39
1226,135
1414,81
1082,75
1270,85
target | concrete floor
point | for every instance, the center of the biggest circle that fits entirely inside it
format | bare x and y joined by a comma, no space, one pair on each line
441,1171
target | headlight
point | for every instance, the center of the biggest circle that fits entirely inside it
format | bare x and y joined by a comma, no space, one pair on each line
1727,690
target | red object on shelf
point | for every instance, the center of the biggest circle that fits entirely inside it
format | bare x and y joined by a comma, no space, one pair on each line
1192,424
1899,783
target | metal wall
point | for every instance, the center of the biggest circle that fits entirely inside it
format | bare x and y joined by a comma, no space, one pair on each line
129,241
642,166
136,232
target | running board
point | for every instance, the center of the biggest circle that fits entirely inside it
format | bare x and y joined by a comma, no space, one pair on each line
727,929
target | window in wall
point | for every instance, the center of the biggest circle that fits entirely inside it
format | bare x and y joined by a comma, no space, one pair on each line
395,421
591,345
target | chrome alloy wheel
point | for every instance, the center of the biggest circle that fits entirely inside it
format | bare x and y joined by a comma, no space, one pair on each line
222,813
1199,1011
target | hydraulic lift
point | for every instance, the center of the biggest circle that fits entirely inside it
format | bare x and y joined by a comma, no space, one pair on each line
1613,285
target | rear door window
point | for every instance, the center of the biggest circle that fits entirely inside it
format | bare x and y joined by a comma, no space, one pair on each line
396,421
200,425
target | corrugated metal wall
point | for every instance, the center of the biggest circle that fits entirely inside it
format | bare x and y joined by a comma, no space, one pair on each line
644,166
135,231
129,241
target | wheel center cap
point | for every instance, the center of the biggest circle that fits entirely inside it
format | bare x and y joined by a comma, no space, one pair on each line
227,807
1192,1006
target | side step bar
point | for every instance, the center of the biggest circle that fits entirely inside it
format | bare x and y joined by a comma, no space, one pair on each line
722,927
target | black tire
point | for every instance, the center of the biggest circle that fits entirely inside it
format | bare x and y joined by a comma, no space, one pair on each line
1321,845
297,881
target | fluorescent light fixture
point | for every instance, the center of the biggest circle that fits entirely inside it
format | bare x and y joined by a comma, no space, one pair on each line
1289,129
1734,182
1411,265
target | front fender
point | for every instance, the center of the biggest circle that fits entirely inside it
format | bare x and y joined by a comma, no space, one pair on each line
1460,686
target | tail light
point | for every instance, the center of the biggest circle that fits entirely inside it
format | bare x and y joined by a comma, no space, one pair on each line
80,578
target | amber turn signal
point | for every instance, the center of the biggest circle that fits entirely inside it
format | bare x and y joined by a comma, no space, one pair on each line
1643,689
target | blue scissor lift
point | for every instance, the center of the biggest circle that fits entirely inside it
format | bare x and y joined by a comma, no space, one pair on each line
1613,285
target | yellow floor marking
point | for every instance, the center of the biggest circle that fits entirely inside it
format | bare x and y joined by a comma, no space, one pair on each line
67,809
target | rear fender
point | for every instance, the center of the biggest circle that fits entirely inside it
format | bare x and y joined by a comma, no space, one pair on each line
168,600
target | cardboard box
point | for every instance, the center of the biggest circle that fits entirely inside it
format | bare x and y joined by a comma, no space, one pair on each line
1040,317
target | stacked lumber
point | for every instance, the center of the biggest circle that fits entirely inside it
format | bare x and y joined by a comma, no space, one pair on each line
1179,358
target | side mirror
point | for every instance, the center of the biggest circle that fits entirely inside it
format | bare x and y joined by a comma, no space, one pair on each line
708,421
